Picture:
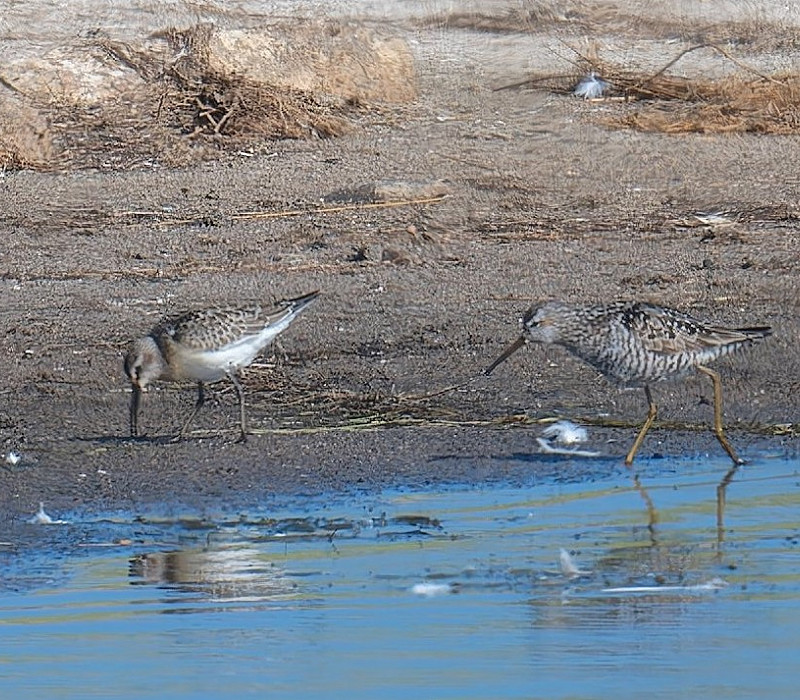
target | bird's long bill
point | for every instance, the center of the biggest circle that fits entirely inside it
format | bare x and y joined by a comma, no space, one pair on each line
136,397
508,352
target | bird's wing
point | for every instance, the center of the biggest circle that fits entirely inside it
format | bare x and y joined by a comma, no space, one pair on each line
672,332
210,329
279,316
269,317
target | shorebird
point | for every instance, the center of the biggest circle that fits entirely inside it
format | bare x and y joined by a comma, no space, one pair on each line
206,346
637,344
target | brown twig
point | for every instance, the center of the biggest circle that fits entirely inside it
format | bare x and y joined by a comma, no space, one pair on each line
334,210
536,79
719,49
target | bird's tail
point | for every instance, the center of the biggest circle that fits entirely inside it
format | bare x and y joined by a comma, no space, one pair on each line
755,333
279,318
300,303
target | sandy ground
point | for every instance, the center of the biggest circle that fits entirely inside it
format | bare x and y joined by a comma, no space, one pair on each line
543,202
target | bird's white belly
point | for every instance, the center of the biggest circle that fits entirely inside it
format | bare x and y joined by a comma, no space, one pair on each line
213,365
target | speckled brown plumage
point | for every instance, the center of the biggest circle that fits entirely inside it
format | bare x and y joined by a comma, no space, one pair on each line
637,344
205,346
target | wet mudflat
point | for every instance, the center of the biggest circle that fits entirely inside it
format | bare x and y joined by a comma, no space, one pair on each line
453,592
435,590
529,195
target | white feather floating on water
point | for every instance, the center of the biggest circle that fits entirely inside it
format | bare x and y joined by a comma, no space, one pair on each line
569,567
713,584
591,87
42,518
429,590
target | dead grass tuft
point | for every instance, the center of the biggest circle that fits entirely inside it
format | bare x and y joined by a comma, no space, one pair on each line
188,109
203,102
182,110
747,101
531,18
731,105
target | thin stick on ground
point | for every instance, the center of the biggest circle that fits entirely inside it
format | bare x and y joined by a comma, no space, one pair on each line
716,48
255,215
333,210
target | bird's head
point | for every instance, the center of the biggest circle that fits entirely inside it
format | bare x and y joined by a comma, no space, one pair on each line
539,325
143,362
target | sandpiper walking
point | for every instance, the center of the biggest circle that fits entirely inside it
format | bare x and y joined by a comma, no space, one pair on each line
637,344
206,346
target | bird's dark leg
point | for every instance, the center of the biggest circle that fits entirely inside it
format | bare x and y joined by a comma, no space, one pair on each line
718,415
240,393
201,399
136,397
652,412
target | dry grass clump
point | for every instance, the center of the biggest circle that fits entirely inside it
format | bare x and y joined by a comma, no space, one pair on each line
529,17
746,101
25,138
734,104
203,101
180,110
220,105
12,159
187,99
638,20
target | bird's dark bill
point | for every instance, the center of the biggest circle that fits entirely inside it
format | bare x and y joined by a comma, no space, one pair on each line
136,397
509,351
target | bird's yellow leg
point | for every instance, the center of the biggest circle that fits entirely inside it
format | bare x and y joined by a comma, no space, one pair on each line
718,431
652,412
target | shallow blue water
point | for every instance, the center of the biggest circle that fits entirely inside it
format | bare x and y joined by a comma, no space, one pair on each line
319,600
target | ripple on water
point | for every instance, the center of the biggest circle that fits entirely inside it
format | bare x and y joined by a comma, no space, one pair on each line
462,592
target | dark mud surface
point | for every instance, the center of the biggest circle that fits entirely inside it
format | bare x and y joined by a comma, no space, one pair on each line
371,387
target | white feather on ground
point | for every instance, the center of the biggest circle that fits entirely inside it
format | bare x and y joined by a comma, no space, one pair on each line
591,87
564,432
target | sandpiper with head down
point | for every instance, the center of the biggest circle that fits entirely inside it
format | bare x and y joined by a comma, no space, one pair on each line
637,344
206,346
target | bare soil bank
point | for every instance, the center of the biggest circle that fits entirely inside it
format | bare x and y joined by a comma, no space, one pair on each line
542,202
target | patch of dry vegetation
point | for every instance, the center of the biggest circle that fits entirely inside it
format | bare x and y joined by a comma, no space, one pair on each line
203,101
620,19
176,106
531,17
730,105
746,101
187,108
